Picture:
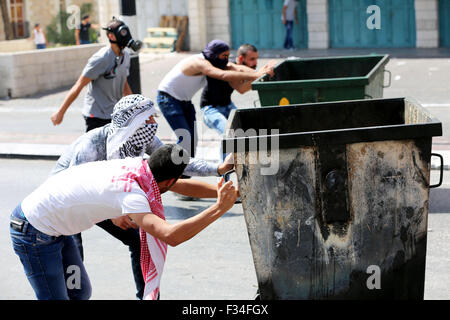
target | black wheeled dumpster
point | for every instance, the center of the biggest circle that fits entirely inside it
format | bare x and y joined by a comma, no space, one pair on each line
336,201
308,80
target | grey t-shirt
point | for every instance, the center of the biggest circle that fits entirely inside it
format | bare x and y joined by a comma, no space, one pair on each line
108,73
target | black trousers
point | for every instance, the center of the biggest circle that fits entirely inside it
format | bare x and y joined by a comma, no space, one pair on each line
130,238
92,123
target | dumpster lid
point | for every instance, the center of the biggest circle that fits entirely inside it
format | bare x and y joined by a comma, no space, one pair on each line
323,72
340,122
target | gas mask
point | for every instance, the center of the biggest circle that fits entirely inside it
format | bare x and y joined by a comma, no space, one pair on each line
124,38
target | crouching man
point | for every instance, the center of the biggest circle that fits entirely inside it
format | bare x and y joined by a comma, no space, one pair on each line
77,198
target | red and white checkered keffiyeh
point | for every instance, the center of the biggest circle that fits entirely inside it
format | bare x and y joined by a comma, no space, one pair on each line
153,250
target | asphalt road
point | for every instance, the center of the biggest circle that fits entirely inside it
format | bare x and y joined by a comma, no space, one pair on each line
217,264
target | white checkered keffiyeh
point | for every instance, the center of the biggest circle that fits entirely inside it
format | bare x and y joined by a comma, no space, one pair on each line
129,134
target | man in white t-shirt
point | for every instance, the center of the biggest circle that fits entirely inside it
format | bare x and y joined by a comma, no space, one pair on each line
289,13
38,36
81,196
177,88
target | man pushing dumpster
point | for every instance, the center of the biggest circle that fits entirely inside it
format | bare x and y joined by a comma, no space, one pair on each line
75,199
131,133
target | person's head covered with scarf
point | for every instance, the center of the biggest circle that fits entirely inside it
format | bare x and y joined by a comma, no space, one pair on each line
129,132
212,52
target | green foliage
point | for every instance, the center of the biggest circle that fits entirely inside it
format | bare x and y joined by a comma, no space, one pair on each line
57,31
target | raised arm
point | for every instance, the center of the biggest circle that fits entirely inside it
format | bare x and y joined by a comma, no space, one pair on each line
242,86
200,66
194,188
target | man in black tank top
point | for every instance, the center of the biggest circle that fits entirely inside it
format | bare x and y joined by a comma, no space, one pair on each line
215,103
82,31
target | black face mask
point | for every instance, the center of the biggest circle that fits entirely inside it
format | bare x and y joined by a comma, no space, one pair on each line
217,62
124,38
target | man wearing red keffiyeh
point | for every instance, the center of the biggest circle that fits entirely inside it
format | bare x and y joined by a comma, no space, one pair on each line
81,196
156,233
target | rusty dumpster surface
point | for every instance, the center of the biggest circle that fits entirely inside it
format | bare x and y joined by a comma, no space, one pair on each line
345,214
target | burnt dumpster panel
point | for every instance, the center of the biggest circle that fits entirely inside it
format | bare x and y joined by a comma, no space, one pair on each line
345,214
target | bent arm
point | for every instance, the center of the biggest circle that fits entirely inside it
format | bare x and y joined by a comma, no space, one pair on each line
180,232
194,188
241,86
71,96
209,70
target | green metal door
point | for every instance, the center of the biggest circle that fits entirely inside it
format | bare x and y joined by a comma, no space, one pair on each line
444,23
258,22
351,25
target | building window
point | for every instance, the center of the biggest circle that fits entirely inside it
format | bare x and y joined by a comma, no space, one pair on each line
20,26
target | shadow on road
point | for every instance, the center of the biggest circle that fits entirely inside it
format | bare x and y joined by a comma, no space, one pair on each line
186,212
439,200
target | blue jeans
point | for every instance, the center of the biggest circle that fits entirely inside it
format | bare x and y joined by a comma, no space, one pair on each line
85,42
215,117
181,117
41,46
52,265
289,42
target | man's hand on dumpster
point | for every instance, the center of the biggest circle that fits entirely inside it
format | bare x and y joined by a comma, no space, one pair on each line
226,195
227,165
268,68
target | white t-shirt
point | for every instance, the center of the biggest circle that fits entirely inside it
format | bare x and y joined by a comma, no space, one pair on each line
180,86
38,37
79,197
290,10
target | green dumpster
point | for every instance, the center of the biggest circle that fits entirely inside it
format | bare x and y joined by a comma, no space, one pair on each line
309,80
336,201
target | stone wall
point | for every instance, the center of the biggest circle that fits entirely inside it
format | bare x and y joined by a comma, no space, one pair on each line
427,23
2,29
30,72
106,10
42,12
208,20
318,29
16,45
218,21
